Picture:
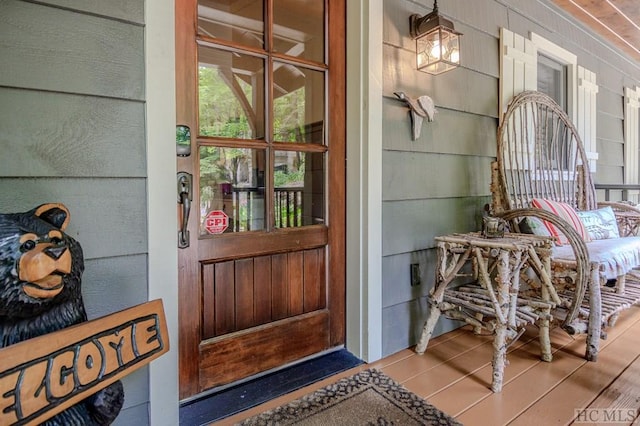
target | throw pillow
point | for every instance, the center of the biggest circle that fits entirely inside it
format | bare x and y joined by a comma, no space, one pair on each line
563,211
600,224
533,225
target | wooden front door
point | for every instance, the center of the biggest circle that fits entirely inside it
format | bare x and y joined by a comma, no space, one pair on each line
261,155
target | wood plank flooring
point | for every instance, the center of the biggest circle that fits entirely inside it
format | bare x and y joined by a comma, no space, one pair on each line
455,375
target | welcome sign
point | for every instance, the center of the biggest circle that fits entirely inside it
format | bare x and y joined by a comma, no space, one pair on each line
41,377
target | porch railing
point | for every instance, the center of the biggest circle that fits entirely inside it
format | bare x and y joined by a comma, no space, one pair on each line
288,207
248,216
623,188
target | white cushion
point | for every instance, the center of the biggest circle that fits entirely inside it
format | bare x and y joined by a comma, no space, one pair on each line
617,255
600,224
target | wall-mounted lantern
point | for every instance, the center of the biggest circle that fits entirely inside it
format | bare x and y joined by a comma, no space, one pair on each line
437,42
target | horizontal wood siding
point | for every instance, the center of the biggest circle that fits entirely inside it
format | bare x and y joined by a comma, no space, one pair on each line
108,216
61,135
72,120
412,224
244,293
60,50
610,102
610,174
396,269
111,284
137,383
399,74
449,133
610,127
439,183
125,10
439,175
611,153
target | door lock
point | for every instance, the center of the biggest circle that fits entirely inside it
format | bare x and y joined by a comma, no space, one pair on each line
185,195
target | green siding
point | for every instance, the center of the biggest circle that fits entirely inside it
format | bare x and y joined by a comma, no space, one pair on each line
395,269
125,10
451,132
108,216
437,175
62,135
72,120
411,225
59,50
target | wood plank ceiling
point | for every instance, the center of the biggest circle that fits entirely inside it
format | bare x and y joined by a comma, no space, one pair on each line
618,21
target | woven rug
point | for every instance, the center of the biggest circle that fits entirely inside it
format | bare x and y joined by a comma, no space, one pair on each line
367,398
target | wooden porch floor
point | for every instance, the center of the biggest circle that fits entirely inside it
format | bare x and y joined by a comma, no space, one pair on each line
455,375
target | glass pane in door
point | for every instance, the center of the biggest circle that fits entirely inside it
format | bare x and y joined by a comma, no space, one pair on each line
230,94
231,185
298,28
238,21
298,104
299,188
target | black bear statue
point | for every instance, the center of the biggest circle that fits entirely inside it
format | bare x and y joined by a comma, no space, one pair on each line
40,274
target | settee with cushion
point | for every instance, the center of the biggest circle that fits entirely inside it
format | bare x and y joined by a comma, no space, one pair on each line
541,183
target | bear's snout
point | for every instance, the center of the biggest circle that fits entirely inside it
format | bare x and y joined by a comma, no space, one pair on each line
55,252
42,269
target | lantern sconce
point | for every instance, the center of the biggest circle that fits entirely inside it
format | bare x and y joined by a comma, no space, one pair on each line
437,42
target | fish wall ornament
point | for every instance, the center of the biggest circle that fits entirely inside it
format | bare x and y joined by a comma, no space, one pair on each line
419,109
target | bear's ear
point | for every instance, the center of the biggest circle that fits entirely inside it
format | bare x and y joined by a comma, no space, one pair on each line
54,213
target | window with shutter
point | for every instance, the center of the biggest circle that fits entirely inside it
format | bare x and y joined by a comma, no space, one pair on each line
533,64
631,138
586,117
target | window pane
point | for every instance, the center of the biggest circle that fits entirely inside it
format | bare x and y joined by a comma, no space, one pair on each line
552,80
231,94
299,188
232,181
238,21
298,28
298,104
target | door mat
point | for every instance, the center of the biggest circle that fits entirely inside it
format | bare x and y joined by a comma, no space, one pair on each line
367,398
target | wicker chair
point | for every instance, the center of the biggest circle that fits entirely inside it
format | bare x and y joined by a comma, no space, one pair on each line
540,155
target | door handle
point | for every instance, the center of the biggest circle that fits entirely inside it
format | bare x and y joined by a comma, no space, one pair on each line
185,191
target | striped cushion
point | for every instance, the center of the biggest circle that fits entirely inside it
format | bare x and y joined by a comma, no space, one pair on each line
564,211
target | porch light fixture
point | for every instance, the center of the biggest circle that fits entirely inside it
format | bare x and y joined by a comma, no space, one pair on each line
437,42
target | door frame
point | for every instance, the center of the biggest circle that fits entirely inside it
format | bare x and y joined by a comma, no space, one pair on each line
364,151
161,201
364,178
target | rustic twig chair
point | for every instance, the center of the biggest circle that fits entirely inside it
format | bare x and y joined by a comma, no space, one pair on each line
540,156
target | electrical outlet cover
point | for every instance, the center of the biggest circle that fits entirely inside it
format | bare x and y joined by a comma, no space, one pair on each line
415,274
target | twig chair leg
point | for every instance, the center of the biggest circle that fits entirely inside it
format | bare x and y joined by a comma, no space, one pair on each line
427,330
